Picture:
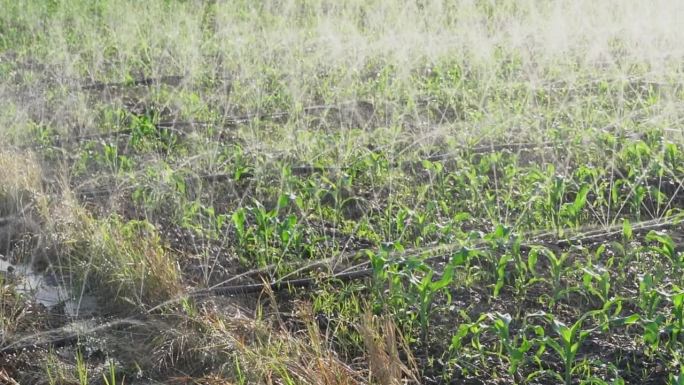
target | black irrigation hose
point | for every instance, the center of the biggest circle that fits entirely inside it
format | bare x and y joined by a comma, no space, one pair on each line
306,170
58,342
230,122
127,132
295,170
73,338
602,235
492,148
282,285
218,177
368,272
483,149
344,276
101,192
172,80
69,339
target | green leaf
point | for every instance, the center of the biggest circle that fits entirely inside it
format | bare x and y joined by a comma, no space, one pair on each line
629,320
283,200
667,244
626,230
500,326
238,218
651,333
460,258
501,273
563,331
678,301
574,348
457,339
555,346
580,200
446,279
532,261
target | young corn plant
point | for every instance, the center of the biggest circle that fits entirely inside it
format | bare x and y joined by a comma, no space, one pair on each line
146,136
666,247
500,239
244,233
568,342
426,288
117,163
271,235
570,212
649,300
525,268
557,266
650,295
143,133
569,339
203,220
516,347
676,326
596,281
388,278
554,201
468,336
501,273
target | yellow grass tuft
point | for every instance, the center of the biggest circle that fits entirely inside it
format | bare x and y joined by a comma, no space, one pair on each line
21,177
380,336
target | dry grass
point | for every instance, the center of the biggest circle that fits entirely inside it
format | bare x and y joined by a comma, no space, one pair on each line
6,379
21,190
132,258
129,256
19,171
253,350
276,355
383,340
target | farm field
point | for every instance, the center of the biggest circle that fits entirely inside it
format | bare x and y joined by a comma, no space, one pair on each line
325,192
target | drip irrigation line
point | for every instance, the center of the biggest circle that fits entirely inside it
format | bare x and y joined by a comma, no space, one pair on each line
69,338
357,272
217,177
102,192
360,271
484,149
175,125
282,285
305,170
602,235
171,80
82,138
